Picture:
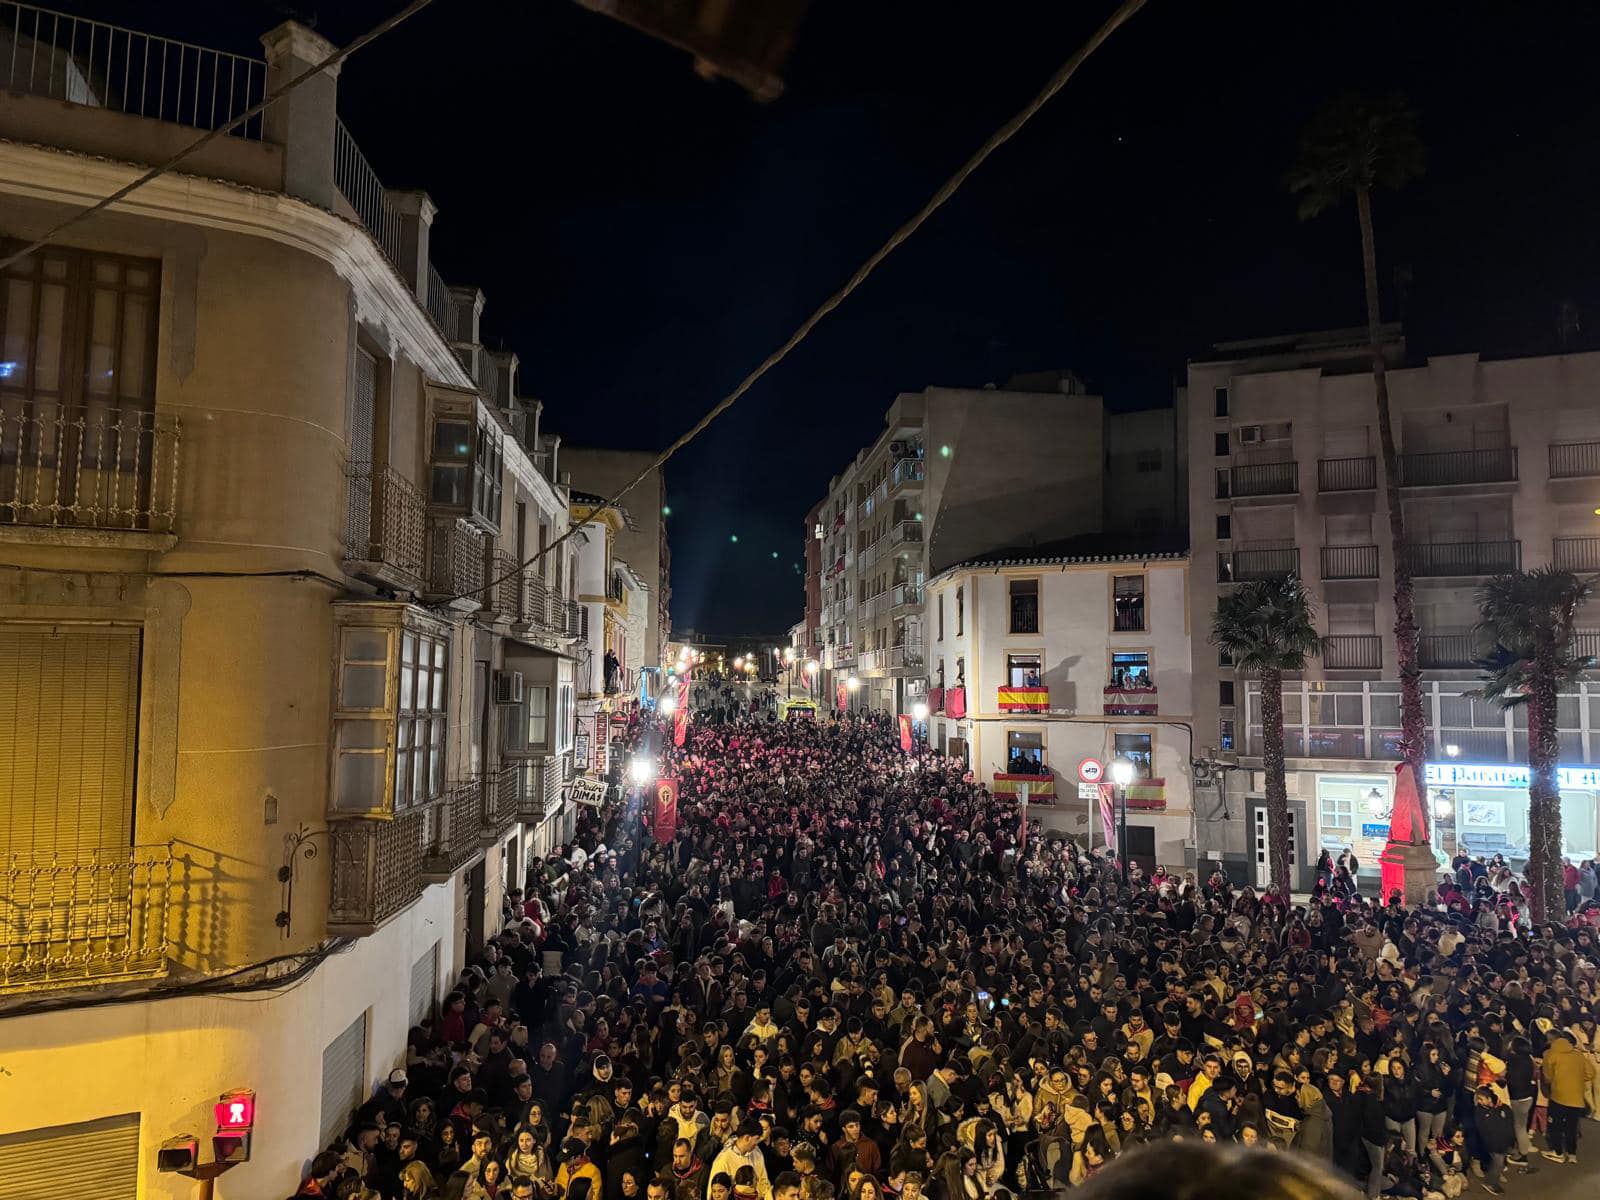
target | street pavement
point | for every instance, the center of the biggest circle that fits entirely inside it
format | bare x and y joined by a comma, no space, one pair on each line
1546,1180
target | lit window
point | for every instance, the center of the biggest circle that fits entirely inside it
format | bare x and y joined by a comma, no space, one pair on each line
1024,606
1025,752
1137,749
1127,604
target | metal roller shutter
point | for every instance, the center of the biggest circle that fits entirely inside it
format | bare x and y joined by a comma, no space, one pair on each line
424,983
69,720
100,1158
344,1071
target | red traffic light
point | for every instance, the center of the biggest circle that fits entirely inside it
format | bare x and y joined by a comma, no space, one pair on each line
236,1111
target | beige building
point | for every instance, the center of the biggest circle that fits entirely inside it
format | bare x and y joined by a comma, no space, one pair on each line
282,711
1500,466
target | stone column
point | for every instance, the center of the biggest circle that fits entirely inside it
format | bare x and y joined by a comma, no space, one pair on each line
304,121
416,212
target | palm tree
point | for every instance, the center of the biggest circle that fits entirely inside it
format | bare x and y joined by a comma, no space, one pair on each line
1530,616
1267,627
1353,146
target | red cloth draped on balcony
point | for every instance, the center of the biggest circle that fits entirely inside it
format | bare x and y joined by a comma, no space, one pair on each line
936,699
1408,826
955,703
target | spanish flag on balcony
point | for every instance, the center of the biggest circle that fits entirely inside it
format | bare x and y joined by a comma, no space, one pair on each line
1039,786
1148,794
1024,699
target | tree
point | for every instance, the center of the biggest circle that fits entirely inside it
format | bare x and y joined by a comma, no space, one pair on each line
1353,146
1530,617
1267,627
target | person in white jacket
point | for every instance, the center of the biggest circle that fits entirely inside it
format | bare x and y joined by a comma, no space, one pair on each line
742,1150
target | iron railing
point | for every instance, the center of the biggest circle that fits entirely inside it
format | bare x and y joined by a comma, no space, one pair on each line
1574,460
46,53
359,184
1266,479
1243,566
84,916
385,519
906,471
1347,474
908,655
507,596
1349,562
1445,467
1447,650
439,306
1424,559
452,834
1353,651
376,869
907,531
457,556
89,469
1577,553
905,594
1586,643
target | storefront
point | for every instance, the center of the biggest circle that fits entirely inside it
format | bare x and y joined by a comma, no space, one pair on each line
1353,814
1487,807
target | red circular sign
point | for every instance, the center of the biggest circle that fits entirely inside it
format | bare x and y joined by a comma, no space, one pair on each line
1091,770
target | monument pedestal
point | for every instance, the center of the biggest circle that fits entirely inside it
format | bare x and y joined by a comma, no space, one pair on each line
1414,869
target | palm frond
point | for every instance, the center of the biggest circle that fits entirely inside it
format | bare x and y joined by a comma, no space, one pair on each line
1267,625
1528,615
1355,143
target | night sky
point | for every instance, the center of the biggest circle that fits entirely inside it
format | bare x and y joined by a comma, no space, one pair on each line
645,237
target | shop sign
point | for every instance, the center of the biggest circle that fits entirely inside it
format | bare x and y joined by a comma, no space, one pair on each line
1504,775
1375,832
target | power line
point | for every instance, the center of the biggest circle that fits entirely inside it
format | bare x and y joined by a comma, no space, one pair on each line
1000,137
334,59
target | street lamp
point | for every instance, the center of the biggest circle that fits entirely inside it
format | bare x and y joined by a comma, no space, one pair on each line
642,771
1452,750
667,705
1122,772
919,712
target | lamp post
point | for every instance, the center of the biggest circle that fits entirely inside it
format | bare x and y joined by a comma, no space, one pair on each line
919,719
1122,775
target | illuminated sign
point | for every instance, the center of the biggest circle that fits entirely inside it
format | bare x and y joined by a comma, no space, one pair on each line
1507,775
236,1111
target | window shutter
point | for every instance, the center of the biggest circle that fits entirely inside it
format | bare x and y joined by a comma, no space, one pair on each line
100,1157
424,982
344,1068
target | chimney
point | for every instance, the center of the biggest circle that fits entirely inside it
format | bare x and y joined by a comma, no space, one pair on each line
468,303
303,122
416,212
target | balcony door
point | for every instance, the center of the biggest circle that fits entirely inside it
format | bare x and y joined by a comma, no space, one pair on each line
363,425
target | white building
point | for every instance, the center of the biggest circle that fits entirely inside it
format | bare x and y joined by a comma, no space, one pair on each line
617,619
1039,663
1500,465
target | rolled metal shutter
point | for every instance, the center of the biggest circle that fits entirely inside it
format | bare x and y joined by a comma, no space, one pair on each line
424,983
94,1158
344,1070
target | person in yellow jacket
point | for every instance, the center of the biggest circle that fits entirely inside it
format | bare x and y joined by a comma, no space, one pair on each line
576,1166
1567,1074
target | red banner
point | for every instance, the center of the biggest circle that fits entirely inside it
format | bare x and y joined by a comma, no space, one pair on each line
680,718
905,733
1108,815
844,698
666,815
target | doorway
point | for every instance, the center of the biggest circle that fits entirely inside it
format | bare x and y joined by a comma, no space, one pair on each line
1261,852
1142,847
476,895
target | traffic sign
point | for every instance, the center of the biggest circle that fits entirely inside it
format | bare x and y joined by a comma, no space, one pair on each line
1088,791
1091,770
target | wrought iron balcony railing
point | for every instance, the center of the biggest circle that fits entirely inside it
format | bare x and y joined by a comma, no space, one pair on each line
1349,562
1446,467
1266,479
1437,559
1577,553
1347,474
89,469
1353,651
385,532
457,560
1574,460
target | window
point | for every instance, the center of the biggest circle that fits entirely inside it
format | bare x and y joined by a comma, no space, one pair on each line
536,700
1130,669
1220,445
564,722
961,672
466,465
420,720
941,616
1137,748
961,611
1224,527
1225,693
1025,752
1127,603
1225,734
1024,671
1224,485
1221,397
1024,605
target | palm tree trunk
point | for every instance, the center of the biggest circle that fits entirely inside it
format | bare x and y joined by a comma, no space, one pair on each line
1413,725
1546,894
1277,790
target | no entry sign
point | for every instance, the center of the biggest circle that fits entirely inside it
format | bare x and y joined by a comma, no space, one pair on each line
1091,770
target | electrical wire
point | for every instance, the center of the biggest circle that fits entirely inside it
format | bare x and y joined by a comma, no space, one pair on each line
948,189
332,60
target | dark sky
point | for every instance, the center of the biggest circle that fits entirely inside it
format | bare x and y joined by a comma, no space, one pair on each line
644,237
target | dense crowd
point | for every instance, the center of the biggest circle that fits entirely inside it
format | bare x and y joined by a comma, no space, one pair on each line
852,975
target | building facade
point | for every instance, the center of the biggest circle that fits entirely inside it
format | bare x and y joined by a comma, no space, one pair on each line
1500,465
1041,663
617,621
285,712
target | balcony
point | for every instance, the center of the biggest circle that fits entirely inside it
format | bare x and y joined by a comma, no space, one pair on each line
452,834
1447,651
955,703
1022,699
936,700
88,917
907,656
906,532
1130,700
1037,783
1352,652
904,596
1424,560
88,477
1577,553
507,592
1265,479
1586,642
907,474
376,871
1447,468
458,554
1574,460
1347,474
1349,562
385,529
1244,566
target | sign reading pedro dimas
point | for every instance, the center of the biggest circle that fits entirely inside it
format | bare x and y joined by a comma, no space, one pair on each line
1505,775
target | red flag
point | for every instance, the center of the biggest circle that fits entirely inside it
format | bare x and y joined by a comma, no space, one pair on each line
905,733
680,718
1108,815
844,698
666,815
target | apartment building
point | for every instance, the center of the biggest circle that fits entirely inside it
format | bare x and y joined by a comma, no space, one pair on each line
276,692
617,620
1499,469
957,473
1078,652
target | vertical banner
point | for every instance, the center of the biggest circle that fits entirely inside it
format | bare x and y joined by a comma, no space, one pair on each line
666,813
905,733
1108,816
680,718
1022,816
844,697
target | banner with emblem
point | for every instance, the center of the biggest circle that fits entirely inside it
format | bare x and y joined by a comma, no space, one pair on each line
665,823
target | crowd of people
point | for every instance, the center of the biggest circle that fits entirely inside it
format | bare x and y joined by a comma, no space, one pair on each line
851,974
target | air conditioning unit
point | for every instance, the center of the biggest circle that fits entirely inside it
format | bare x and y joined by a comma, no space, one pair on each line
508,687
898,450
1250,435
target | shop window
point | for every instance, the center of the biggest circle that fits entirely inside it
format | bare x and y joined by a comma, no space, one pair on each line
1024,605
1127,604
1025,752
1130,669
1137,748
1024,671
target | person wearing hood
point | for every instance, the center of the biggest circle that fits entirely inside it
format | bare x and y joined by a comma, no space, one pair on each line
1316,1126
1567,1075
577,1178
